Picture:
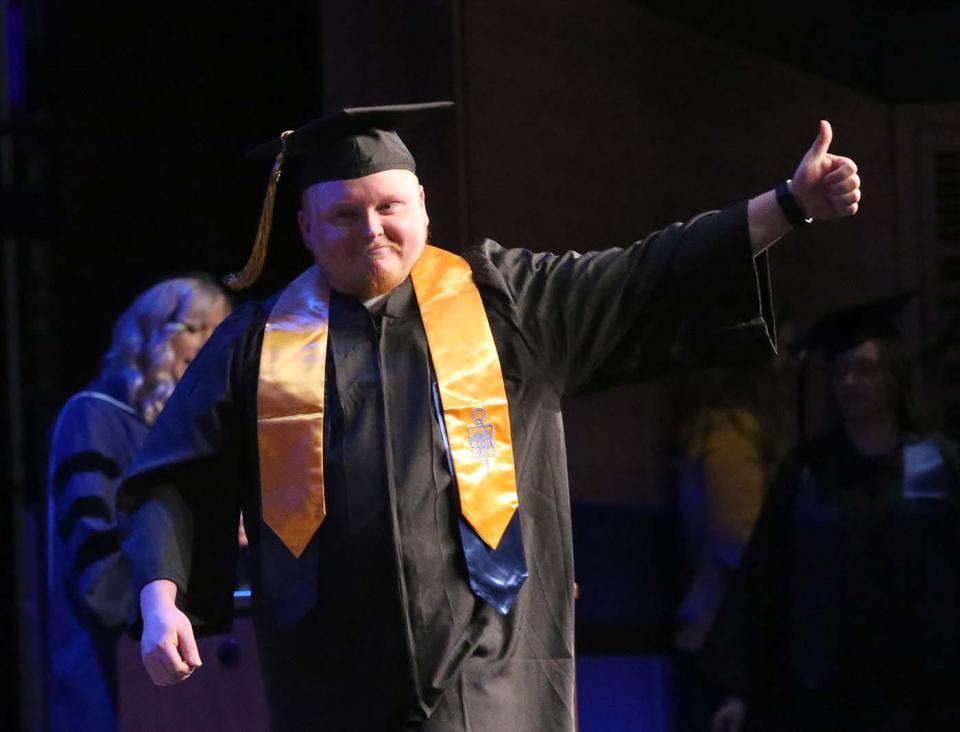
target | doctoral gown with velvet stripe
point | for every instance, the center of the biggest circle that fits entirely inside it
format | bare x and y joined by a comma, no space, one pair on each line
95,439
375,627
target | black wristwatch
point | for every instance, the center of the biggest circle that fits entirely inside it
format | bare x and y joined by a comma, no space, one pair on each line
791,209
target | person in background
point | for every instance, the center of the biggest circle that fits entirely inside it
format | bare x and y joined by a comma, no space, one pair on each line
95,438
737,425
845,615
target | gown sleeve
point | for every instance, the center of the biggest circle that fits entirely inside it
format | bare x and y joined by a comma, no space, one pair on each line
181,502
86,461
689,295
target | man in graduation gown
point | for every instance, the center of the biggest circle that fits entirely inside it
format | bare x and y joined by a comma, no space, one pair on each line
846,612
414,561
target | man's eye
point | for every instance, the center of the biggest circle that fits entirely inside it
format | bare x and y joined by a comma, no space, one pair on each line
390,206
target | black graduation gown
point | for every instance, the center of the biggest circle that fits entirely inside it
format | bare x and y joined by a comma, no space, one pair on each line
375,626
845,613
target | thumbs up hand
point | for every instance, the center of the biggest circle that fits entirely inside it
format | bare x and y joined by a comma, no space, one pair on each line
826,186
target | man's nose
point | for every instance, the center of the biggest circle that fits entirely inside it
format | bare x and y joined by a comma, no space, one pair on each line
374,226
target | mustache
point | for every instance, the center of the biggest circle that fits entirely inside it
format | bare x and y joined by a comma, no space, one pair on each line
381,242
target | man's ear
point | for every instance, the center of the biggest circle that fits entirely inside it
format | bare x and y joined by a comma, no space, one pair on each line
305,223
423,203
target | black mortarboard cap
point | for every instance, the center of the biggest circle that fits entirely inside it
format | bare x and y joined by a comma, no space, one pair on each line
346,144
349,143
844,329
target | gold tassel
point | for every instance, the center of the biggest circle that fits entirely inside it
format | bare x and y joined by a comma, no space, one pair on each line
254,266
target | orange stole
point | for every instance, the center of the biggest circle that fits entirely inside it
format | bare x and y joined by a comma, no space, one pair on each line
290,400
290,410
471,387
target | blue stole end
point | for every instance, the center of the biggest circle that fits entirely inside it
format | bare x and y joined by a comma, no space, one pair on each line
496,575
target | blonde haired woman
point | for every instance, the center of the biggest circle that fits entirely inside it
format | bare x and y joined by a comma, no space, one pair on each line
95,438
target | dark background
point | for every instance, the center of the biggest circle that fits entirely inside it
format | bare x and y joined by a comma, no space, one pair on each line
578,125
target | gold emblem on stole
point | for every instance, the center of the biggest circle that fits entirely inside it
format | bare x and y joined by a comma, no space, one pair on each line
480,437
